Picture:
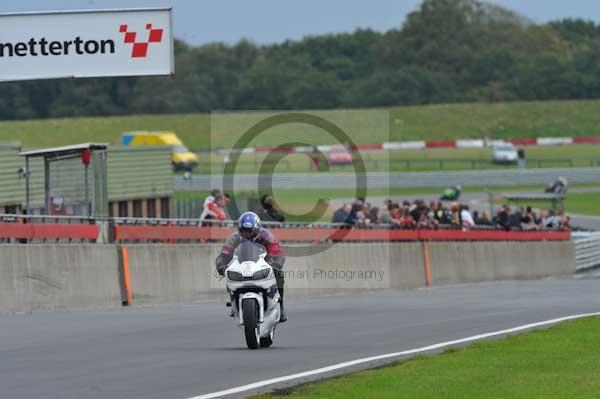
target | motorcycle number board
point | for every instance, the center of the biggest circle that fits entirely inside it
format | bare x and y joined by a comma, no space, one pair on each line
247,269
48,45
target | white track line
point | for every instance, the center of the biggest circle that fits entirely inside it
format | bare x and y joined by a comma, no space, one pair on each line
260,384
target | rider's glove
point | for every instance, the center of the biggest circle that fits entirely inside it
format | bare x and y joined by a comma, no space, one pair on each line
220,271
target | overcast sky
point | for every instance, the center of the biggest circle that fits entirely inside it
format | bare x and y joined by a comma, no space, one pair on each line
271,21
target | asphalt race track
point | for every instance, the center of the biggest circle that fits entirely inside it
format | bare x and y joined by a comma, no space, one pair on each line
173,352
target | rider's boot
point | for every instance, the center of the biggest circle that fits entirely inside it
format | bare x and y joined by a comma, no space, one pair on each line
283,315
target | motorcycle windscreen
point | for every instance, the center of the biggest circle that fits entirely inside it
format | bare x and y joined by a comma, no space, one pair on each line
249,251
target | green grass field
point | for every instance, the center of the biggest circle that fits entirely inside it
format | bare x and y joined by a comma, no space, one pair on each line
583,203
500,120
577,203
562,362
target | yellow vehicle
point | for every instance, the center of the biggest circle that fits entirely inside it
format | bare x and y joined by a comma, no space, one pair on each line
182,159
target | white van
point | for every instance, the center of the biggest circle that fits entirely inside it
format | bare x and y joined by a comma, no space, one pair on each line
505,153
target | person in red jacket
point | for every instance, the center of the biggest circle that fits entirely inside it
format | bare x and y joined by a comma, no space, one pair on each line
215,209
249,229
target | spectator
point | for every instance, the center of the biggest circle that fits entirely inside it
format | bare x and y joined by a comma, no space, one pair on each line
216,208
502,219
455,214
539,221
528,219
552,221
362,218
416,208
387,203
484,220
383,215
431,219
374,214
342,215
406,220
466,218
356,207
521,155
515,218
396,213
565,222
315,158
269,211
207,201
441,214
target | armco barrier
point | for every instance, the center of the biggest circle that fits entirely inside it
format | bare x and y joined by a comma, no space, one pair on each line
287,234
49,231
71,276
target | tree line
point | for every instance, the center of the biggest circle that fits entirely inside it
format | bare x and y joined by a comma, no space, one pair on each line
446,51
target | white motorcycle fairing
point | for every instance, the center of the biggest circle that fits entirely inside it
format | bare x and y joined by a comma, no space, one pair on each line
254,281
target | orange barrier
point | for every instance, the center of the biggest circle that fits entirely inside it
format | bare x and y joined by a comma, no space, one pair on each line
126,277
427,264
139,233
49,231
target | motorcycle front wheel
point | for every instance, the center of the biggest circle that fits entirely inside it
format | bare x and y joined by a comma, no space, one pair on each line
251,326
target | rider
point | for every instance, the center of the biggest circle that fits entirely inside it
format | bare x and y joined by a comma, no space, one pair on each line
249,229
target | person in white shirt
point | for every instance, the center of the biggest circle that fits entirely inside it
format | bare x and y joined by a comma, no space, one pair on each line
207,201
465,216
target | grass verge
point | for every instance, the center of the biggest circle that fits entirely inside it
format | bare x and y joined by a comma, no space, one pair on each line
562,362
431,122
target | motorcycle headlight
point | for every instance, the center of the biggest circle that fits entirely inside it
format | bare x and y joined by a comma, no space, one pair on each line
261,274
235,276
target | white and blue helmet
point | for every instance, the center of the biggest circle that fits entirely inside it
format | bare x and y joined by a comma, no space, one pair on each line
249,225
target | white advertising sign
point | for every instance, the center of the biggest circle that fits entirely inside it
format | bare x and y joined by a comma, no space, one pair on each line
86,44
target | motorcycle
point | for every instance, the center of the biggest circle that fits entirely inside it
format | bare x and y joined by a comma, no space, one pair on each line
252,288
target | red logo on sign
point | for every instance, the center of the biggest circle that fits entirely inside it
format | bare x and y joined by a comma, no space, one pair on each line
140,49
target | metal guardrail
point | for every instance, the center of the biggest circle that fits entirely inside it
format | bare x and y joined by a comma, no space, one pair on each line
43,229
587,249
46,219
66,229
376,180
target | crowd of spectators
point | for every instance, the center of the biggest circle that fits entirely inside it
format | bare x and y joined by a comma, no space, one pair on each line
408,215
433,215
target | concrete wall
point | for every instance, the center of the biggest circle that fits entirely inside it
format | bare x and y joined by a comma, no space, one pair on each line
463,262
185,273
173,273
74,276
70,276
346,268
